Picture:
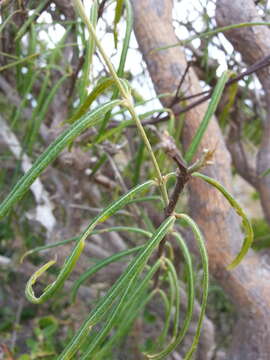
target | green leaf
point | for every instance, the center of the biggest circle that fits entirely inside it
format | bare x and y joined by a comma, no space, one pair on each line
132,271
193,147
103,85
245,222
126,300
114,131
90,50
214,32
5,22
117,17
167,319
39,115
129,313
77,250
138,163
265,173
178,338
205,281
173,280
18,62
50,154
31,18
76,238
100,265
121,67
224,116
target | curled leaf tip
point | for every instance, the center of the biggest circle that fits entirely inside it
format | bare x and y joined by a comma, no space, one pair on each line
24,256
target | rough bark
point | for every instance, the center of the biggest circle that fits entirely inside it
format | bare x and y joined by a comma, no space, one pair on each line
247,285
254,44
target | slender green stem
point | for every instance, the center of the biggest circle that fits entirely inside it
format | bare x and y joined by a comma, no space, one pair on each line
20,61
126,96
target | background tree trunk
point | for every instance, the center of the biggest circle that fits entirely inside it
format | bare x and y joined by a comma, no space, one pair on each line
254,44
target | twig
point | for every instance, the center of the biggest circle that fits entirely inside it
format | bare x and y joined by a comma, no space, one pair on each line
75,73
253,68
183,175
177,98
206,95
101,8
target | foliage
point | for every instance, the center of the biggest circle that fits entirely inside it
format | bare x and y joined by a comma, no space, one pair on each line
147,275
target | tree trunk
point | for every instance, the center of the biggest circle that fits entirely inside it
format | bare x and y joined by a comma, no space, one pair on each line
254,44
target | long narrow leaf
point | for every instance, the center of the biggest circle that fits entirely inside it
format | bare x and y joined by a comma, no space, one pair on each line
117,17
167,319
126,300
77,250
50,154
214,32
131,313
76,238
207,117
9,17
134,268
103,85
100,265
121,67
245,222
18,62
90,49
31,18
175,286
43,111
176,341
205,281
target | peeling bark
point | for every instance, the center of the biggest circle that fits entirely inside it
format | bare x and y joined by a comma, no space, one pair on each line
247,285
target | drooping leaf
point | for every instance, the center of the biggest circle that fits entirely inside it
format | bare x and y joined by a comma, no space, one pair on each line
245,222
132,271
51,153
78,248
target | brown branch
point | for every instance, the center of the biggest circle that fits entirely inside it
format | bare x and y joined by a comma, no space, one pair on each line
183,175
75,73
206,95
101,8
177,96
259,65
